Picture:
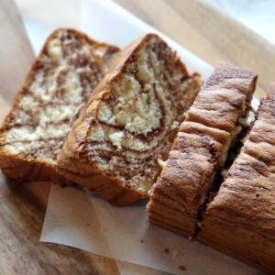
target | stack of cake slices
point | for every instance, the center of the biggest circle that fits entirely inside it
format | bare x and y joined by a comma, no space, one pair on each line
199,152
135,124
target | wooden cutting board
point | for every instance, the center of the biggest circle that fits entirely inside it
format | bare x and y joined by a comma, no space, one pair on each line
209,34
194,25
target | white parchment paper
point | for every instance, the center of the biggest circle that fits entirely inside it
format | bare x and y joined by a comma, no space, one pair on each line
75,219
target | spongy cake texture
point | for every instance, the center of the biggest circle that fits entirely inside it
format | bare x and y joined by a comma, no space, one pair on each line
57,87
118,143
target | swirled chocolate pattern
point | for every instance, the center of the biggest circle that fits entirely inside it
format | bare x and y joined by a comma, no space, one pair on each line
57,87
200,150
128,127
240,221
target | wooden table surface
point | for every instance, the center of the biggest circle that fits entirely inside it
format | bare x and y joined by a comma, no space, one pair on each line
193,24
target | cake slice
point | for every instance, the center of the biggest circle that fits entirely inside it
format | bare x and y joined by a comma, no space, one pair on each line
240,221
200,150
58,85
118,143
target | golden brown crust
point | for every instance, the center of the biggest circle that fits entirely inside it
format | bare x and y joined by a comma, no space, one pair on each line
199,149
22,168
94,181
240,221
71,162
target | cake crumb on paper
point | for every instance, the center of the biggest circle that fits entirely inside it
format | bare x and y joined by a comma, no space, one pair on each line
175,253
182,267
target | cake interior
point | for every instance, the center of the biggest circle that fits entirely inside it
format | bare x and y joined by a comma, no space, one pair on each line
138,120
61,81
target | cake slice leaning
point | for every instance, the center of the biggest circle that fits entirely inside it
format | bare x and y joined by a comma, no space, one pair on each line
58,85
240,221
200,150
117,145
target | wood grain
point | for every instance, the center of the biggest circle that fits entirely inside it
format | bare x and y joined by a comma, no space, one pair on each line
193,24
209,34
22,210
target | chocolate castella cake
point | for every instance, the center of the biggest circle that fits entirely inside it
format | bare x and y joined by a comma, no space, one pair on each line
240,221
62,78
118,143
199,152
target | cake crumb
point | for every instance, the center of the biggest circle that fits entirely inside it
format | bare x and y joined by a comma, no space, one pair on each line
175,253
161,163
182,267
166,250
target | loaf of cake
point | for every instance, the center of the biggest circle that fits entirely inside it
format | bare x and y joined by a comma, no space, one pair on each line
58,85
240,221
118,143
200,149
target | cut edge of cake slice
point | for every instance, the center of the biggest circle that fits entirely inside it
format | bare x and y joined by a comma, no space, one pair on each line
57,86
126,130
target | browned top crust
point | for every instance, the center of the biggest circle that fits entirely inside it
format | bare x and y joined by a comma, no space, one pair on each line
203,141
224,98
80,158
246,198
59,83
